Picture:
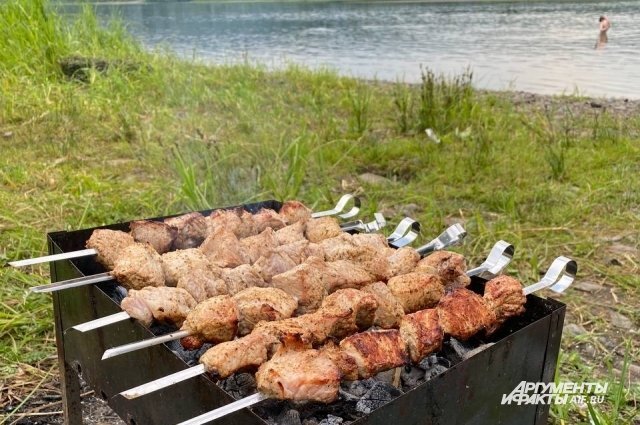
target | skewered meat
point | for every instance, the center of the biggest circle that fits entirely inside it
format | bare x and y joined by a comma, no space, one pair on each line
301,250
180,263
164,304
422,334
257,304
274,263
463,313
226,219
416,291
305,283
291,233
322,228
344,274
137,266
375,350
201,284
306,375
223,249
258,245
160,235
450,266
504,296
242,277
191,230
390,311
376,241
295,212
214,320
267,218
371,259
109,245
354,310
345,363
403,261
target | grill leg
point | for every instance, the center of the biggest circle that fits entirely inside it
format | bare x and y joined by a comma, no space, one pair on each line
69,380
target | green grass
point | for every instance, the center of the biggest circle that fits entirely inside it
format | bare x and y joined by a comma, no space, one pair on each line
175,136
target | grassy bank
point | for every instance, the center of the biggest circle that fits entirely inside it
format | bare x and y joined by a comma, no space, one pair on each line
171,136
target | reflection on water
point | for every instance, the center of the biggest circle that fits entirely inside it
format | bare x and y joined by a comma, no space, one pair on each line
540,47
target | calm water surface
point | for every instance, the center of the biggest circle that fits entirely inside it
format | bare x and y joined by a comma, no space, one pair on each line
545,47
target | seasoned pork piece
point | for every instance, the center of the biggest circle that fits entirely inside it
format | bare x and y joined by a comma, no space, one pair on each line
421,333
156,233
274,263
346,364
375,351
450,266
390,311
371,259
322,228
213,320
242,277
201,284
224,219
181,262
109,245
223,249
301,250
376,241
259,245
295,212
164,304
299,375
191,230
403,261
267,218
504,295
463,313
350,310
416,291
344,274
258,304
291,233
248,227
304,283
233,356
139,265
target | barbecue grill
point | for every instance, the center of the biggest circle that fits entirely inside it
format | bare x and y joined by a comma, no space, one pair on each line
466,382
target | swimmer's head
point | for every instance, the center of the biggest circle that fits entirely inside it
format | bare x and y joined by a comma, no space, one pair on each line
602,18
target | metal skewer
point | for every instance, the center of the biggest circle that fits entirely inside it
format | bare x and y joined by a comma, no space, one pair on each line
340,206
558,278
183,375
453,235
403,231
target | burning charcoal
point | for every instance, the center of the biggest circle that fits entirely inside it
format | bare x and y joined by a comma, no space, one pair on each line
377,396
119,294
239,385
412,376
461,349
332,420
310,421
289,417
475,351
358,388
386,376
190,357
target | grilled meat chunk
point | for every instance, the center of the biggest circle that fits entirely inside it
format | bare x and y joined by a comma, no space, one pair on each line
463,313
372,260
322,228
156,233
233,356
191,230
350,310
421,333
181,262
259,245
290,233
109,245
504,296
242,277
403,261
390,311
202,284
344,274
139,265
267,218
346,364
295,212
225,219
375,351
301,250
164,304
376,241
305,283
416,291
299,375
213,320
450,266
258,304
223,249
274,263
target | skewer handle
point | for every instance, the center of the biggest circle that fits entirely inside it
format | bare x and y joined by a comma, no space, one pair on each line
406,232
103,321
225,410
340,206
73,283
127,348
499,257
54,257
559,277
451,236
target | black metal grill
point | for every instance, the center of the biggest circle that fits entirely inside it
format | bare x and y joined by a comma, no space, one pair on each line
462,389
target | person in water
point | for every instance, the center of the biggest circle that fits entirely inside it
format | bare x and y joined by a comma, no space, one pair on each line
604,27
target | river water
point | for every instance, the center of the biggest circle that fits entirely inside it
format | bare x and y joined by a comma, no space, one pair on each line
542,47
